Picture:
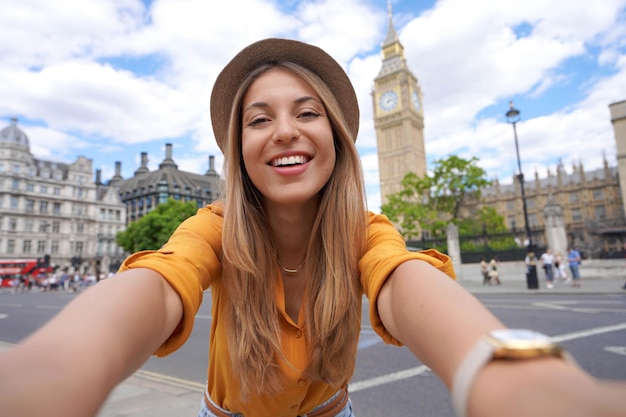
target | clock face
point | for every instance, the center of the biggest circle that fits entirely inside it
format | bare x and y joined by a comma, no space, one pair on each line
388,100
415,99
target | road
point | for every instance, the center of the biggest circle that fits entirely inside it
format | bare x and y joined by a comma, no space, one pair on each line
591,326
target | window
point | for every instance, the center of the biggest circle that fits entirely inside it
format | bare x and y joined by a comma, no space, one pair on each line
532,220
54,246
56,208
12,223
56,190
10,246
79,248
16,184
530,202
43,226
576,217
600,212
16,169
26,248
43,206
598,194
41,246
44,189
30,187
573,197
102,214
80,228
30,206
28,225
14,201
56,226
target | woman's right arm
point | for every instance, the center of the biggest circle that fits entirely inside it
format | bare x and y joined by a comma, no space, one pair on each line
71,364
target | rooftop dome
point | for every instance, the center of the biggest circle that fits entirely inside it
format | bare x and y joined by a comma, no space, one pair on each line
13,134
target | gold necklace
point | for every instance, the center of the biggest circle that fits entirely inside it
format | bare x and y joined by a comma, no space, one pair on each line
288,270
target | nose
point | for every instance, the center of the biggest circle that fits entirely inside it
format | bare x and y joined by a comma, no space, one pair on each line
286,130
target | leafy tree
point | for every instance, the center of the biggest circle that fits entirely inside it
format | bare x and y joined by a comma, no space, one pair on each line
431,202
154,229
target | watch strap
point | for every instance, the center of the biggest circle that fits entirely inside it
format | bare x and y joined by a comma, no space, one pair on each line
478,357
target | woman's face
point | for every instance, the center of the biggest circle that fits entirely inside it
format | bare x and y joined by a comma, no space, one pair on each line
287,139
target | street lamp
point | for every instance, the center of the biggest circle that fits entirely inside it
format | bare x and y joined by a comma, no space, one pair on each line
512,116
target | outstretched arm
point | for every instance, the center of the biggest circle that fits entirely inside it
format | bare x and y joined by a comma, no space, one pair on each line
440,322
71,364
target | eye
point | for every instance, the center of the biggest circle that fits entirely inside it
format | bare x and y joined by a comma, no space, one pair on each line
308,114
257,120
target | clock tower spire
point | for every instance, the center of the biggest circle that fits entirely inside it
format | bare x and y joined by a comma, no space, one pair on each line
398,117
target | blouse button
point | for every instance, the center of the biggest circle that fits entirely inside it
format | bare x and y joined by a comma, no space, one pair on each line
298,333
302,382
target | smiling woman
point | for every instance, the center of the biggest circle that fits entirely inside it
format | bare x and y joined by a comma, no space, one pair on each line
288,255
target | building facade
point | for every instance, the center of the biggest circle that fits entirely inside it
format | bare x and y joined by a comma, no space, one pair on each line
398,117
590,203
56,209
146,189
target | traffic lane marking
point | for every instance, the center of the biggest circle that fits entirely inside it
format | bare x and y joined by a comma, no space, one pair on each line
409,373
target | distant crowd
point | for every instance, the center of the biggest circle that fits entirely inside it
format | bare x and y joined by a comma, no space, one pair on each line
57,282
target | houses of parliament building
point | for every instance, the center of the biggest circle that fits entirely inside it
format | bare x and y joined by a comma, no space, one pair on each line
590,202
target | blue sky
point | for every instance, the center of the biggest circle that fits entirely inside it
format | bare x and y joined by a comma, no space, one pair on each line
109,79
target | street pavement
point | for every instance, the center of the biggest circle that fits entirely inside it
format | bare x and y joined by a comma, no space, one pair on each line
147,394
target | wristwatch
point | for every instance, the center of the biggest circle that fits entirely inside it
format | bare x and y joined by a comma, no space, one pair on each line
505,344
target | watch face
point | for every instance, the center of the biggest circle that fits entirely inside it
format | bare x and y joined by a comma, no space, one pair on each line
416,101
522,343
388,100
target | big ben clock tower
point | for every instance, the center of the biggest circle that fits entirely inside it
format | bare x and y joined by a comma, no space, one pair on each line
398,117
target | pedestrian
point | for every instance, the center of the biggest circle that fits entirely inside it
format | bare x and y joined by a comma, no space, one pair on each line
548,266
286,285
494,276
574,259
484,269
560,270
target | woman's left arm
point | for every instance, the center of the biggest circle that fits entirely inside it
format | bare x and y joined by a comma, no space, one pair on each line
440,322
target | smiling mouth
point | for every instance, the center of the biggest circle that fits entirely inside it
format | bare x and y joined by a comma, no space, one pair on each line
289,161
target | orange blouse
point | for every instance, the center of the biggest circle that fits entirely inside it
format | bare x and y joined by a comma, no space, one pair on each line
190,262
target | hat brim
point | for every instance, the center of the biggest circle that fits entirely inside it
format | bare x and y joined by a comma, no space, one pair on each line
273,50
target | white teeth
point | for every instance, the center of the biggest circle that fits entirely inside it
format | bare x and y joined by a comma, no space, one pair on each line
289,160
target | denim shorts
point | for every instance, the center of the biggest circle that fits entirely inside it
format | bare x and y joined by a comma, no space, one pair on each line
345,412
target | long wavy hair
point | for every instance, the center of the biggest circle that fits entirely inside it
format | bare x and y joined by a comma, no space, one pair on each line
333,291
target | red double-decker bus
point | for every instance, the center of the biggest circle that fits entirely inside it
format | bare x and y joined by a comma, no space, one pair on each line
11,269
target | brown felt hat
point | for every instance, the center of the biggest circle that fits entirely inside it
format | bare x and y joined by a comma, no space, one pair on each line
273,50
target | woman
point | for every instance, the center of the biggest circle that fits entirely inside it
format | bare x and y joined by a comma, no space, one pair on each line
287,256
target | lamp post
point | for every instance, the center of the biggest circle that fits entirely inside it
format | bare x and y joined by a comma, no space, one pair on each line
512,116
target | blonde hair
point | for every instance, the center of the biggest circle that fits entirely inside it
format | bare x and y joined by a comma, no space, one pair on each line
333,291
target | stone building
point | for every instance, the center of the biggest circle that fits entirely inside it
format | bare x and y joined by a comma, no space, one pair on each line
147,189
589,202
56,209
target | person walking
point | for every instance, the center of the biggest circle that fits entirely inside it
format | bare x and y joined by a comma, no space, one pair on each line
548,266
286,286
560,270
494,275
484,269
574,259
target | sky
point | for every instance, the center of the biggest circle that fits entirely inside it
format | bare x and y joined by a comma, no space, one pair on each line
110,79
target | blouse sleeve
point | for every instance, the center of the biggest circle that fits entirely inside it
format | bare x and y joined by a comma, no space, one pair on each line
386,250
189,262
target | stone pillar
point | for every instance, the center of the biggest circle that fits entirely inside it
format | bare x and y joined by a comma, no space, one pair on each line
555,227
454,249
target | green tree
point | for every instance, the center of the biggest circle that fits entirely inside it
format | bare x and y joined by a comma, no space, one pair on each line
431,202
154,229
